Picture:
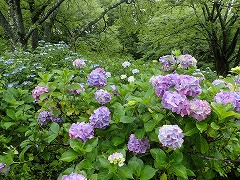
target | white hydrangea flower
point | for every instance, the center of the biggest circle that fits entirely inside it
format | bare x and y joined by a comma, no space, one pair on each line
116,158
135,71
126,64
123,76
131,79
108,74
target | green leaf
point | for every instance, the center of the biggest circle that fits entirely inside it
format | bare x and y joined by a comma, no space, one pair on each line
147,173
136,165
214,126
178,170
190,129
69,156
201,126
163,177
21,155
77,145
50,136
127,119
11,113
204,145
116,140
7,125
103,162
55,127
126,172
146,116
150,125
160,158
176,156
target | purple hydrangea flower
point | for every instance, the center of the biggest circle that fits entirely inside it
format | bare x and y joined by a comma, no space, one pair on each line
74,176
57,119
219,81
102,96
38,91
4,169
168,62
224,97
79,63
97,78
44,117
176,103
114,88
236,101
100,118
237,79
76,91
199,109
138,146
186,60
82,131
188,86
171,136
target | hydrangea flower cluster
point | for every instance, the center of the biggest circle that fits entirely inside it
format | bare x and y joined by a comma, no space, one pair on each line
74,176
199,109
135,71
126,64
82,131
77,91
44,117
171,136
138,146
186,60
4,169
114,88
131,79
38,91
102,96
100,118
79,63
236,102
219,81
97,78
117,158
168,61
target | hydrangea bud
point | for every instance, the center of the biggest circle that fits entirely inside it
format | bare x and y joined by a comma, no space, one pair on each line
38,91
168,62
126,64
77,91
138,146
176,103
79,63
117,158
44,117
97,78
100,118
224,97
4,169
171,136
199,109
82,131
186,60
102,96
74,176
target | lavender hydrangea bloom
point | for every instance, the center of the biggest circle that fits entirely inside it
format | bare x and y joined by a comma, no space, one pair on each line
176,103
218,81
167,62
236,101
57,119
100,118
74,176
76,91
237,79
82,131
38,91
114,88
44,117
4,169
199,109
188,86
224,97
186,60
138,146
171,136
97,78
79,63
102,96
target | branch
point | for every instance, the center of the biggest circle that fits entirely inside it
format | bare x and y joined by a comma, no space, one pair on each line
40,21
215,159
85,28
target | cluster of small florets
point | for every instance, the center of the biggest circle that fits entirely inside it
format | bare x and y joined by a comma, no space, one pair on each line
138,146
45,116
117,158
168,62
199,109
171,136
126,64
38,91
82,131
100,118
77,91
74,176
102,96
186,60
97,78
4,169
79,63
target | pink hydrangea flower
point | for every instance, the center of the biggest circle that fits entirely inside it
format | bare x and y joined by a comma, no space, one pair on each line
100,118
138,146
199,109
74,176
102,96
82,131
171,136
79,63
38,91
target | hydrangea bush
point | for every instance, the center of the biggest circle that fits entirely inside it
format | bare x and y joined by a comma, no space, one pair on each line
160,122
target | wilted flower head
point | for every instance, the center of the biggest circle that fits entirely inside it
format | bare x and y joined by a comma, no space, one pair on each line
77,91
138,146
135,71
224,97
117,158
199,109
100,118
102,96
82,131
79,63
126,64
97,78
74,176
4,169
186,60
44,117
131,79
176,103
168,62
171,136
38,91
